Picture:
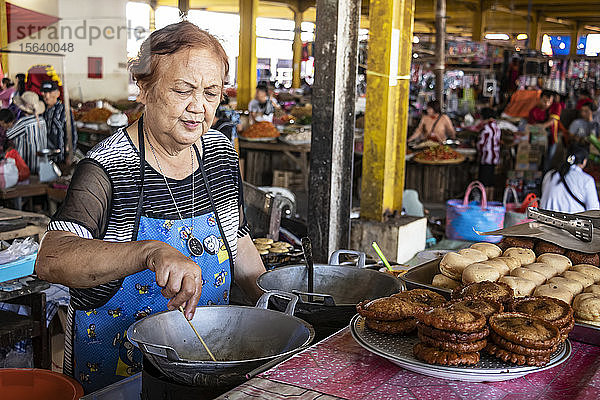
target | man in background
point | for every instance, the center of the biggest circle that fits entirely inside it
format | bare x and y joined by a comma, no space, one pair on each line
56,121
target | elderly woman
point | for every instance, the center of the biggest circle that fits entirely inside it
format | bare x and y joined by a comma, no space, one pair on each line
153,218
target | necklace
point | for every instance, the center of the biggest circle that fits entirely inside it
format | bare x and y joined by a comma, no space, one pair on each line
194,245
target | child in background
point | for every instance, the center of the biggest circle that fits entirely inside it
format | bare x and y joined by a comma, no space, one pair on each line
488,147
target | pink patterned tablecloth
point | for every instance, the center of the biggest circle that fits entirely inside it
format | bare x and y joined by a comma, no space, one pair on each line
338,368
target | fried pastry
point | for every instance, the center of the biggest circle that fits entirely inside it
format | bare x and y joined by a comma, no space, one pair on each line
384,309
587,306
543,247
459,347
574,286
579,277
510,262
453,265
420,300
514,241
515,348
525,330
449,336
543,269
432,355
529,274
577,257
453,319
475,255
555,290
482,306
588,270
443,282
558,262
520,286
555,311
514,358
399,327
480,272
525,256
495,291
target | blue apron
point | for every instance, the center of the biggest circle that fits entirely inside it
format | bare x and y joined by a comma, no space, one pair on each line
101,352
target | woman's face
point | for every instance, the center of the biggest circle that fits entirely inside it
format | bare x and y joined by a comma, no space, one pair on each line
430,111
183,102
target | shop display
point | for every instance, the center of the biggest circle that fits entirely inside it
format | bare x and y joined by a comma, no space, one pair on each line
260,130
439,155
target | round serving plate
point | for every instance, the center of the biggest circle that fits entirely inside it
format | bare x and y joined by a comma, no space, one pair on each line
259,139
452,161
399,350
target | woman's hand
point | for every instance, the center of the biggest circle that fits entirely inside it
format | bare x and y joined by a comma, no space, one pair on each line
179,276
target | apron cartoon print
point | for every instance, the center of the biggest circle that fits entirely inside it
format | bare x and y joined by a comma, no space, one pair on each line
102,353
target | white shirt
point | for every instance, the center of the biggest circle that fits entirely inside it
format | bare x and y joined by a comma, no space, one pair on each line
555,196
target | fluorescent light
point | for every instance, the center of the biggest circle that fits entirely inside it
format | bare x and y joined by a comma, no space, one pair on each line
522,36
546,47
497,36
562,45
416,39
592,44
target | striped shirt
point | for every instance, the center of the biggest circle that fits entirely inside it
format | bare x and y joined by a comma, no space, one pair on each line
56,123
489,144
102,199
29,136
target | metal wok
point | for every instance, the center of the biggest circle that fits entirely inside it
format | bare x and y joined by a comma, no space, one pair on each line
241,338
337,290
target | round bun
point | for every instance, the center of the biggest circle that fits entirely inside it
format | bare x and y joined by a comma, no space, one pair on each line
579,277
500,265
593,289
475,255
556,261
521,286
587,306
453,265
525,273
555,290
514,241
588,270
480,272
443,282
543,269
543,247
489,249
525,256
574,286
583,258
510,262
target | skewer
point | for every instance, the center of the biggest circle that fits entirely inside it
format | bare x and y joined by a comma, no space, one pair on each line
198,335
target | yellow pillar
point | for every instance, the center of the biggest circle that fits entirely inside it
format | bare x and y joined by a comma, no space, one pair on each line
3,36
297,49
535,28
152,18
478,22
386,116
184,6
577,28
246,71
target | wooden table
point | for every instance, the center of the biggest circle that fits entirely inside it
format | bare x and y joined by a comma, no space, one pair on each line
338,368
297,154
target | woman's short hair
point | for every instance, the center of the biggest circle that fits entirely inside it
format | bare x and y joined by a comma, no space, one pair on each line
169,40
6,116
435,106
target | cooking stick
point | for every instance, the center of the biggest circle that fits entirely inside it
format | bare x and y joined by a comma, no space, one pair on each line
198,335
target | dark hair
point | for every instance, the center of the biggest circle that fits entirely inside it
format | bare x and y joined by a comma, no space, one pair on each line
7,82
547,93
6,115
261,87
585,92
20,83
169,40
487,113
577,155
435,105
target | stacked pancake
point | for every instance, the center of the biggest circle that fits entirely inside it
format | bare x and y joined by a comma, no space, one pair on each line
555,311
268,246
396,314
497,292
452,334
522,339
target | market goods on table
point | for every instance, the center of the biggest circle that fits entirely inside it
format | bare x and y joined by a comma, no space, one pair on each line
472,338
99,115
263,129
439,155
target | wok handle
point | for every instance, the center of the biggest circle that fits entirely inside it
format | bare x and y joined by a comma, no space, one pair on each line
327,299
159,350
263,302
335,257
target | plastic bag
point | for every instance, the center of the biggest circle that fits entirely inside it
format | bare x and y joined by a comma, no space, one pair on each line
9,173
18,249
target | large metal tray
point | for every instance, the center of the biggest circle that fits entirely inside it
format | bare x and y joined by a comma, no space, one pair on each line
399,350
420,277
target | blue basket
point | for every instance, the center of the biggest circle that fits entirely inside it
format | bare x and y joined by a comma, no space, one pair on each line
17,269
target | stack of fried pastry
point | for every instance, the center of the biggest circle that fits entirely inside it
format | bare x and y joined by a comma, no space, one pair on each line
396,314
452,334
522,339
555,311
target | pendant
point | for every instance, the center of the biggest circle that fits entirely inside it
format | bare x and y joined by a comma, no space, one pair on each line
195,246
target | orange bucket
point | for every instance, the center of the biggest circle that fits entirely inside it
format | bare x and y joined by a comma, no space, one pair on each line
36,384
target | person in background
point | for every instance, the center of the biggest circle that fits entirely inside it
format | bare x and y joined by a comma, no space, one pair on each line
262,106
20,90
488,147
227,120
29,132
547,116
585,125
434,125
56,119
7,120
568,189
7,92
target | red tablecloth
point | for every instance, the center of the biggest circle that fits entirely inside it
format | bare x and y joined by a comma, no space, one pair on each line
338,368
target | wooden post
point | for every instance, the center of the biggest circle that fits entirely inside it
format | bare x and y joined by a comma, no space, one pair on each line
440,50
386,117
297,49
478,22
3,37
334,91
533,39
246,70
577,30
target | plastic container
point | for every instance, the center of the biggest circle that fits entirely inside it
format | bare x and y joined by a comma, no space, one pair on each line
36,384
128,388
17,269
